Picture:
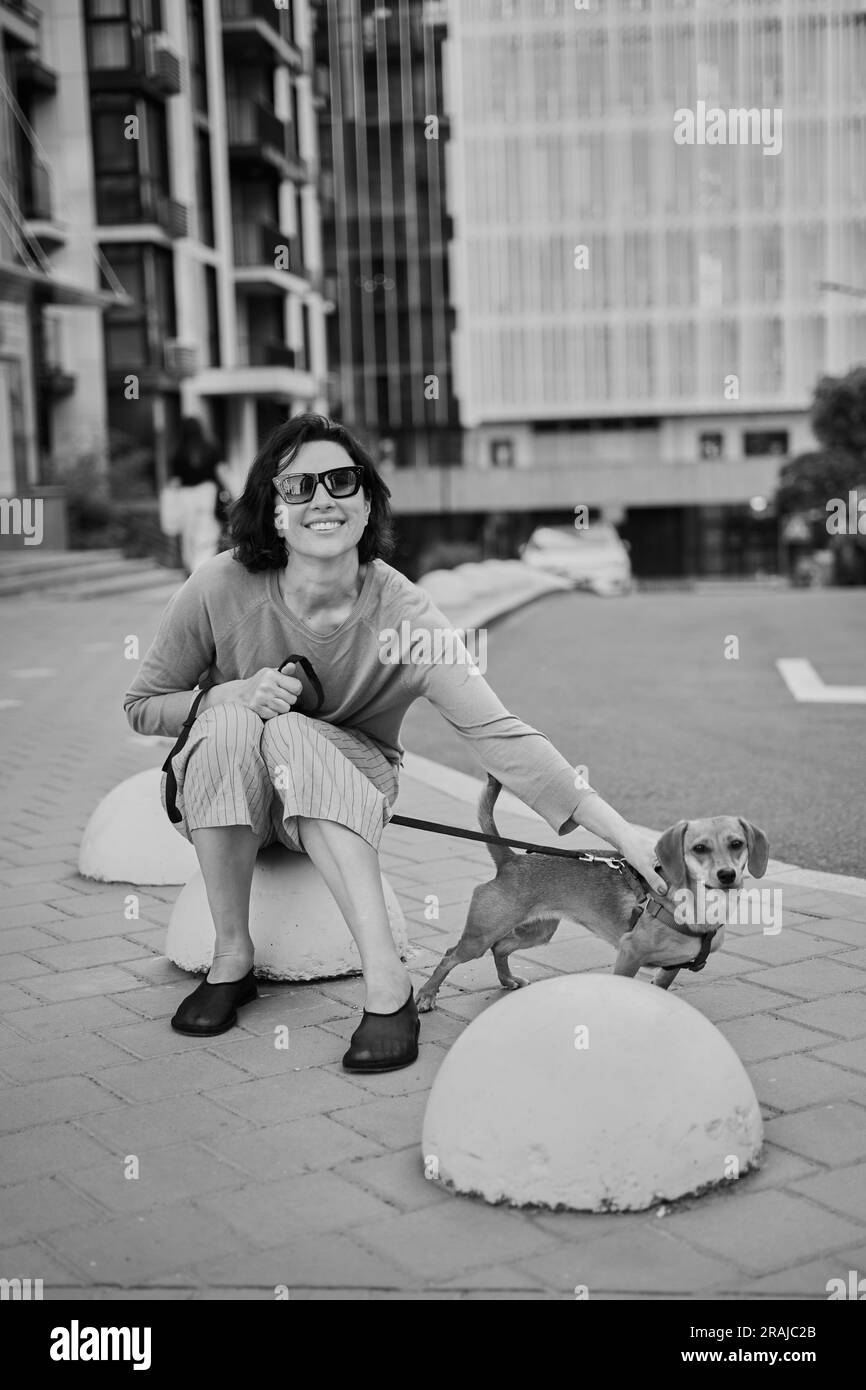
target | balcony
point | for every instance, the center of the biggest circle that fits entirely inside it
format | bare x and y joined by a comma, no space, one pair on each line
256,135
256,31
34,75
271,354
265,254
55,377
21,23
118,59
124,199
37,204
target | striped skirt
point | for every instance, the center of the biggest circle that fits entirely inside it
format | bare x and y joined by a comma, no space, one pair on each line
238,769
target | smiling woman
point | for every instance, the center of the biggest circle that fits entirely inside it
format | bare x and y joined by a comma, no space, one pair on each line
261,762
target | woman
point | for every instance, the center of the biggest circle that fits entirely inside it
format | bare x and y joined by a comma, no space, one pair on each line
196,468
308,576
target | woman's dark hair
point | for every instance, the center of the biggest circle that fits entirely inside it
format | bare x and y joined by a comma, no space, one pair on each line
251,520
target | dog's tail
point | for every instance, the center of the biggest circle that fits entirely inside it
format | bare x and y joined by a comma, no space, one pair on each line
500,854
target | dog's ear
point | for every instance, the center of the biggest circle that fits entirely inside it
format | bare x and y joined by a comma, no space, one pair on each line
669,851
759,848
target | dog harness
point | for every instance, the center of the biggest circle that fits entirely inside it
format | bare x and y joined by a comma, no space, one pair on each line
654,906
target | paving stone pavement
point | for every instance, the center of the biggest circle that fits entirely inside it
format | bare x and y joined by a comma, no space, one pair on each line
258,1168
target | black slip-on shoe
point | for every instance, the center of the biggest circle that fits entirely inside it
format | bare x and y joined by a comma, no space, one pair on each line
385,1042
212,1009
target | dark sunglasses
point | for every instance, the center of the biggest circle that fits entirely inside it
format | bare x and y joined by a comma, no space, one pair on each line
339,482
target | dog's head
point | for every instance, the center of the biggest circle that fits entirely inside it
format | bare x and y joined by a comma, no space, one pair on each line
714,851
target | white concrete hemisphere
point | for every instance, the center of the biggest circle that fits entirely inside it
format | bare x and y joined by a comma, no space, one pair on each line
590,1092
129,838
297,929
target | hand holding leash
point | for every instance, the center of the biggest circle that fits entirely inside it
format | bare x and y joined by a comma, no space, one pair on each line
269,692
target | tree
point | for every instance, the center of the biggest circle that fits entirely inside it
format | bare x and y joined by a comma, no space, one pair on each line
809,480
838,418
839,413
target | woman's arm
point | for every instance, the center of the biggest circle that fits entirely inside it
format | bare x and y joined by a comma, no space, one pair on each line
178,659
519,756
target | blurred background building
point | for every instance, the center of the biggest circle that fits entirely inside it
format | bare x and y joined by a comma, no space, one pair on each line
463,227
668,380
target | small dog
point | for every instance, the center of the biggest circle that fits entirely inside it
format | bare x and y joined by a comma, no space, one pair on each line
531,893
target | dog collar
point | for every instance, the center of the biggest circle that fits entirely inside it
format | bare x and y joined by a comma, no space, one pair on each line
655,906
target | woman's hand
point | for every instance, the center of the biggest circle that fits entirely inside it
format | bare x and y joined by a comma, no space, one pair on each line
634,845
640,853
269,692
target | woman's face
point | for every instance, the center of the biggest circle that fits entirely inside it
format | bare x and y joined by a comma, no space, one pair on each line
326,526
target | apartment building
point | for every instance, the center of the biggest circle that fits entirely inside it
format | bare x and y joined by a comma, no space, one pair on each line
640,322
175,172
386,224
52,391
209,218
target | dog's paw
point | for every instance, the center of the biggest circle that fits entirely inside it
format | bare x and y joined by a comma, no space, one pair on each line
516,982
424,1002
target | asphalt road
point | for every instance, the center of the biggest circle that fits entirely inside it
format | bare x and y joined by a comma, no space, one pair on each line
639,690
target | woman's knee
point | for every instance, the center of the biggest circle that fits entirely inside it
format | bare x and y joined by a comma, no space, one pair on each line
283,741
236,729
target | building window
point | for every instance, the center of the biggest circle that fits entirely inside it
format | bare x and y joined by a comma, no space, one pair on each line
711,445
757,443
502,453
197,61
131,175
204,187
212,312
135,334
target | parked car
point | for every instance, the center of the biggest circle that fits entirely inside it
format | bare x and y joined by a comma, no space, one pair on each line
592,557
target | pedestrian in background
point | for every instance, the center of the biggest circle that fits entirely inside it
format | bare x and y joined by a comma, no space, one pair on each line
195,503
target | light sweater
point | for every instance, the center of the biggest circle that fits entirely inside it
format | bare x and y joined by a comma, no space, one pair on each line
225,623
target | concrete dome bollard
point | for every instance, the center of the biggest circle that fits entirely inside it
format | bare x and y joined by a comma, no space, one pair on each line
129,838
593,1093
297,929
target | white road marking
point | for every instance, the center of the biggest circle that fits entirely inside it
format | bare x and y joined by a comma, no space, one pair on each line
27,673
807,687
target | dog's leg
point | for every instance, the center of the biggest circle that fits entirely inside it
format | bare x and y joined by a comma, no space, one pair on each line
490,914
665,977
535,933
629,958
463,951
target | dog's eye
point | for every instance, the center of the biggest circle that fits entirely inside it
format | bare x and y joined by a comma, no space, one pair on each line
737,844
700,849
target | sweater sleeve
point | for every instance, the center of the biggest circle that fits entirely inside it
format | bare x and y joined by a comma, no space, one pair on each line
519,756
178,660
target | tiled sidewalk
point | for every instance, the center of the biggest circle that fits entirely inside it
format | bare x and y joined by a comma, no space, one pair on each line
261,1168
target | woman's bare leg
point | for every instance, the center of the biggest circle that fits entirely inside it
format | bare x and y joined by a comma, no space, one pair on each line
350,868
227,856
